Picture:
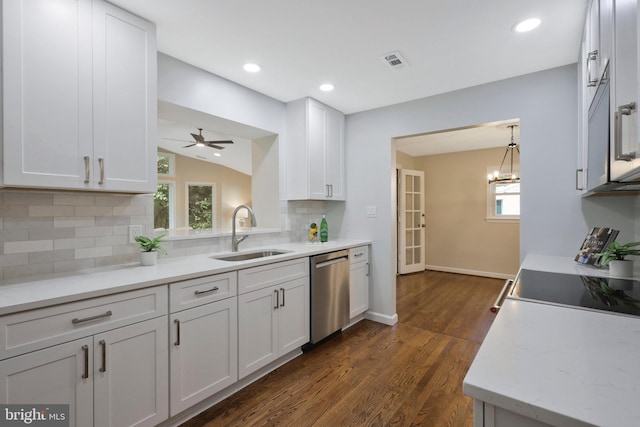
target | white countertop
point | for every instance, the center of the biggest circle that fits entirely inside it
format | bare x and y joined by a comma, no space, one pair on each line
562,366
59,289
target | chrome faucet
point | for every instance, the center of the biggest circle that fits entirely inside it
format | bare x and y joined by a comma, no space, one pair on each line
234,240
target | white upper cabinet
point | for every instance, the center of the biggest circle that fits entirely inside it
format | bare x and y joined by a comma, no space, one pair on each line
315,151
79,101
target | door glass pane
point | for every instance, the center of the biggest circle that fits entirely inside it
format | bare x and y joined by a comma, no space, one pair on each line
416,186
409,202
416,220
409,237
416,237
417,253
409,184
409,255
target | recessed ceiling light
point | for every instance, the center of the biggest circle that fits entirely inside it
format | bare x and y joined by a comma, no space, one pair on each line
327,87
526,25
217,154
251,68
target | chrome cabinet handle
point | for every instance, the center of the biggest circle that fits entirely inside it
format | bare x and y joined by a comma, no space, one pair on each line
103,344
215,288
578,171
591,56
330,190
85,349
101,164
327,185
358,255
282,290
177,322
623,110
89,319
87,169
503,294
277,299
368,269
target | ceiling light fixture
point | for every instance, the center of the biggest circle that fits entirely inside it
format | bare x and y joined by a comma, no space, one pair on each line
498,176
326,87
217,154
526,25
251,68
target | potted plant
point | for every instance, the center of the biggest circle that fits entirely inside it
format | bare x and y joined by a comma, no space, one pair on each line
614,257
150,248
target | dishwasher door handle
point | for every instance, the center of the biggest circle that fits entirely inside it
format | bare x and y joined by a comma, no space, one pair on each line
333,261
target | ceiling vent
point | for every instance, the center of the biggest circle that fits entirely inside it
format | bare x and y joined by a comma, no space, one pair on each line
395,60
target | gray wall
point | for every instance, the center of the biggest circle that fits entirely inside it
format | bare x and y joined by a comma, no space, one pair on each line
554,217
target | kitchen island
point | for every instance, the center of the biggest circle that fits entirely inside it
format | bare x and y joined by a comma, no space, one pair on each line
543,364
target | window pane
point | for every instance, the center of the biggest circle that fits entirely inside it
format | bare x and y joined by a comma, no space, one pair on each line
161,206
508,188
200,207
508,204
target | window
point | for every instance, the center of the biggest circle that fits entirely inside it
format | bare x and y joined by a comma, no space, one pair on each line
503,201
201,205
163,205
166,164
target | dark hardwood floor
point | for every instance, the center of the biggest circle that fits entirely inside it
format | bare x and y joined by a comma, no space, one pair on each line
375,375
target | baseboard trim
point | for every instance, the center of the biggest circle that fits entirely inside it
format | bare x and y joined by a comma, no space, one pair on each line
491,274
381,318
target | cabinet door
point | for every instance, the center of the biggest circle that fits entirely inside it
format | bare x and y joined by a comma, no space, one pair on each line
358,289
257,330
293,315
334,154
624,136
47,92
131,375
55,375
203,352
125,104
316,134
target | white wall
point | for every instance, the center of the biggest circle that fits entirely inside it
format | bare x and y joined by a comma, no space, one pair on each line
554,218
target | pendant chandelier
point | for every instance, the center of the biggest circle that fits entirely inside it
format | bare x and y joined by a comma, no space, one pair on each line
498,176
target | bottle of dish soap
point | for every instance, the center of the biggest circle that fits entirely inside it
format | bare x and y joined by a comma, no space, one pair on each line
324,230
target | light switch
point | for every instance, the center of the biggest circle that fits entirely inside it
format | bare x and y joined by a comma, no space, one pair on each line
371,212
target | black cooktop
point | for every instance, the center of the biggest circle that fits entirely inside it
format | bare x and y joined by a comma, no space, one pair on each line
589,292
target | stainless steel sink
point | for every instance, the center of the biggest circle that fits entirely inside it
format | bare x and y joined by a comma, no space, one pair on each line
244,256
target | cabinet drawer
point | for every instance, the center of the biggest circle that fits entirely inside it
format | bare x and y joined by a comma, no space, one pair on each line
203,290
359,254
36,329
260,277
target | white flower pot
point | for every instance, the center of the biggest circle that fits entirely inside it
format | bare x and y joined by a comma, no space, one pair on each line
621,268
148,258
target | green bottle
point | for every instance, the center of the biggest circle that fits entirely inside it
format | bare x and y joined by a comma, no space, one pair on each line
324,230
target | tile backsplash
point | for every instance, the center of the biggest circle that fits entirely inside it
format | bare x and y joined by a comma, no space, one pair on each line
45,232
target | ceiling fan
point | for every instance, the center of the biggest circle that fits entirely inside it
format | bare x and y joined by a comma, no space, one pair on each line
200,141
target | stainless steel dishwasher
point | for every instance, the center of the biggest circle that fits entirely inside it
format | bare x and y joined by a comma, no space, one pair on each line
329,293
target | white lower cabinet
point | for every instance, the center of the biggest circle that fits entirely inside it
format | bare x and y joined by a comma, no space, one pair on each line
115,378
359,281
203,352
487,415
273,319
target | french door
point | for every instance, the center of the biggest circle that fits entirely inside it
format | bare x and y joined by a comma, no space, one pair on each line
410,221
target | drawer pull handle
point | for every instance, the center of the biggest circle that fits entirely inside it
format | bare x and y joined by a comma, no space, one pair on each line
215,288
177,322
89,319
101,165
87,170
277,299
282,290
358,255
85,349
104,356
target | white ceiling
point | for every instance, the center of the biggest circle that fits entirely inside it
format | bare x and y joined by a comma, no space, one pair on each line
489,135
300,44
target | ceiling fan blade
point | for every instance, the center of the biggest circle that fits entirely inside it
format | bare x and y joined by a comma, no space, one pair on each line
190,145
197,137
215,146
222,141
